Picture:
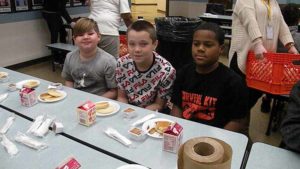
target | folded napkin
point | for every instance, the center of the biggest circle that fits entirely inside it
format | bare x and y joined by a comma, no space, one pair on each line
117,136
30,142
36,124
8,123
10,147
3,96
44,127
142,120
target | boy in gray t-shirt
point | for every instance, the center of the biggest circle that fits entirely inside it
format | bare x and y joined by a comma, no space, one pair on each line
89,68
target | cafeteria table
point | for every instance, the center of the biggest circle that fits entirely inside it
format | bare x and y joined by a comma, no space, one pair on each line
264,156
148,153
59,149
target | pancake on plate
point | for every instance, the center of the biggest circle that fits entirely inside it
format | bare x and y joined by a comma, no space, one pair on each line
160,127
51,95
102,105
3,75
54,93
31,84
104,108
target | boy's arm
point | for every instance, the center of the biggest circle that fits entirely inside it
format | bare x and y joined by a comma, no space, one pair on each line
236,105
176,111
290,127
122,96
236,125
69,84
158,104
111,93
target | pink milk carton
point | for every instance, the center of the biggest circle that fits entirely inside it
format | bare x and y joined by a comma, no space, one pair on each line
86,113
172,138
28,97
70,163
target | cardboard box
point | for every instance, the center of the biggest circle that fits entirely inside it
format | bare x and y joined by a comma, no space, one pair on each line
86,113
172,138
28,97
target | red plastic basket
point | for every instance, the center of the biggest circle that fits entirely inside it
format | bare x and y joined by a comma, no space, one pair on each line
276,74
123,46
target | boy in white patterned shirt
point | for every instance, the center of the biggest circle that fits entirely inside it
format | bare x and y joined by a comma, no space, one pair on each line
144,78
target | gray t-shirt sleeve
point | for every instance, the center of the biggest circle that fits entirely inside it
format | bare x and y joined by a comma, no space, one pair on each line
66,72
110,74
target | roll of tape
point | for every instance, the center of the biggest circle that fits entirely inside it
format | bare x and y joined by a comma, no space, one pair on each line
204,153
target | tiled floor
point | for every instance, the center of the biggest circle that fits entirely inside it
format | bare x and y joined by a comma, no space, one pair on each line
259,120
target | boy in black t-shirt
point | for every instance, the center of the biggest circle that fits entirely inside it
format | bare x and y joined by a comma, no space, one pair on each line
207,91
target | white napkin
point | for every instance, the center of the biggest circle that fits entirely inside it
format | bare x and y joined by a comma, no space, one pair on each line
22,138
142,120
7,124
10,147
117,136
36,124
3,96
44,127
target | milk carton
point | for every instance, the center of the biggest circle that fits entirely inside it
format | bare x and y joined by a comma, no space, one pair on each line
86,113
28,97
172,138
69,163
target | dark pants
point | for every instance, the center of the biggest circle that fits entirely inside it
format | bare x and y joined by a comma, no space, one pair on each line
254,94
56,28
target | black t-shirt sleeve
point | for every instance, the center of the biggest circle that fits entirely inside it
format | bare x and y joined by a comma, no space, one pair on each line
236,97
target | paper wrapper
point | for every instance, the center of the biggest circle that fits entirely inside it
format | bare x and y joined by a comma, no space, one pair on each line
204,153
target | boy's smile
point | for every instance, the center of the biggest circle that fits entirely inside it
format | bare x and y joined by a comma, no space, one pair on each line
206,50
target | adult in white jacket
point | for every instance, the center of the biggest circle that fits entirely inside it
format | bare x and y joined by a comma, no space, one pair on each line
257,26
108,15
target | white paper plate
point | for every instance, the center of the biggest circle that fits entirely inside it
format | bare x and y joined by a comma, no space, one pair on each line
64,94
116,108
150,124
20,84
132,166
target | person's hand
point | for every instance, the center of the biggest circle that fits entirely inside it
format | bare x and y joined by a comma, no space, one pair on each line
259,50
293,50
72,24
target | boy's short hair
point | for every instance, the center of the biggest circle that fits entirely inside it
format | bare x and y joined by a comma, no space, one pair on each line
291,14
142,25
220,36
84,25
